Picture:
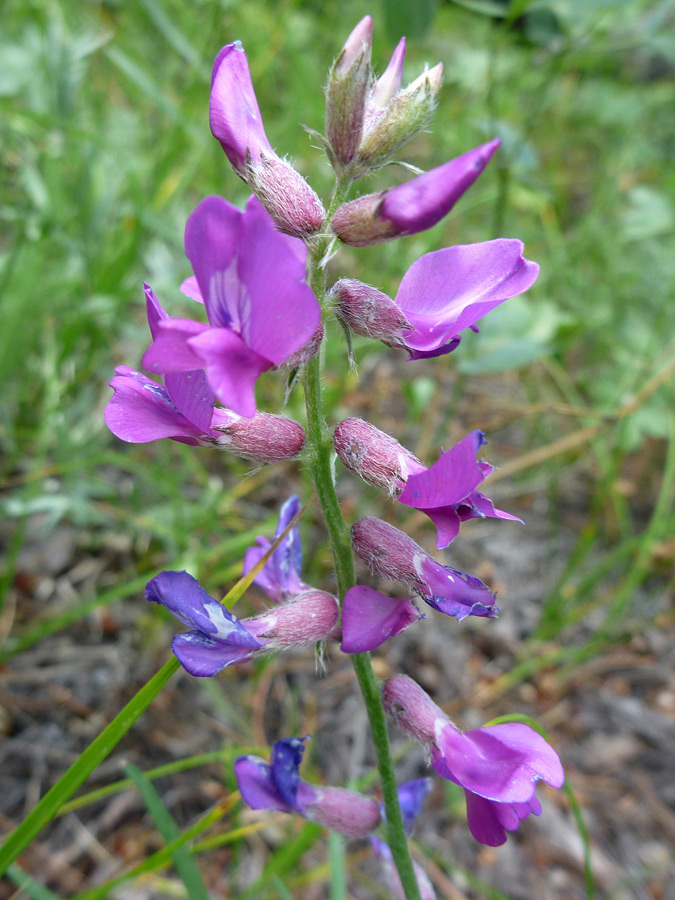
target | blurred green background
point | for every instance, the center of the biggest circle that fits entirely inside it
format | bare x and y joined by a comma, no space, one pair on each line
105,150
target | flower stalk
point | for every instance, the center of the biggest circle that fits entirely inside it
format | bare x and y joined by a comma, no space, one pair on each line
319,448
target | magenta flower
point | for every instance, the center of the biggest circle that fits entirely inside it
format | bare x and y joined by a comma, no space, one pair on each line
236,123
442,294
141,410
218,639
411,207
280,577
446,491
391,554
369,618
260,311
497,765
277,785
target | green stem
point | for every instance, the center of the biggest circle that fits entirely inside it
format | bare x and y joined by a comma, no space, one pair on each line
318,457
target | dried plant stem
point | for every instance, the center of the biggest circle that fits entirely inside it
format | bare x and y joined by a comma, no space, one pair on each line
318,457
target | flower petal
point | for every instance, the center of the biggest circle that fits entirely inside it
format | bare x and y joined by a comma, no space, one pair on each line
231,368
498,762
411,796
369,618
183,596
204,656
284,764
190,287
449,480
449,290
234,114
258,790
483,822
456,593
140,410
170,351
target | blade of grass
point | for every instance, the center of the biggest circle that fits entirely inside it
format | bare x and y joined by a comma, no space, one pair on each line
338,874
183,861
286,859
29,885
80,770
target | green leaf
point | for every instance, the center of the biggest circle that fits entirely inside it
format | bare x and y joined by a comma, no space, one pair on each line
28,885
183,860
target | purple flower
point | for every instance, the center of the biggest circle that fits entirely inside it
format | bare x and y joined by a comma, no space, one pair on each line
446,491
369,618
411,207
218,639
280,577
141,410
236,123
410,797
442,294
497,765
260,310
391,554
278,785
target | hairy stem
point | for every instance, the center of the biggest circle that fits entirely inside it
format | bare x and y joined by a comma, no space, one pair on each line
319,450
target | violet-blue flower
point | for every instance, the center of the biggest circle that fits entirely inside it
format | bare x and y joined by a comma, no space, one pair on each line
497,765
391,554
280,577
369,618
446,491
441,295
260,310
277,785
218,639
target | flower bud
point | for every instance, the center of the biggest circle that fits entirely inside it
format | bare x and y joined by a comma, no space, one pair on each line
373,455
411,207
310,617
413,710
391,554
289,200
348,84
346,812
264,438
406,114
306,352
369,312
389,83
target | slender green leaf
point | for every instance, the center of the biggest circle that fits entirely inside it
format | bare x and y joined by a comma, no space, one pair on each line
185,865
29,885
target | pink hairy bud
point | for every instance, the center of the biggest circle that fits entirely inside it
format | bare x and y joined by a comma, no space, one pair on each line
290,201
359,223
263,438
344,811
311,616
348,84
406,114
389,552
373,455
368,311
413,709
306,352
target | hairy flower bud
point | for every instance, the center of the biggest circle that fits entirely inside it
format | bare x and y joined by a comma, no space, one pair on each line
343,811
264,438
373,455
348,84
412,709
411,207
369,312
311,616
291,202
406,114
306,352
391,554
